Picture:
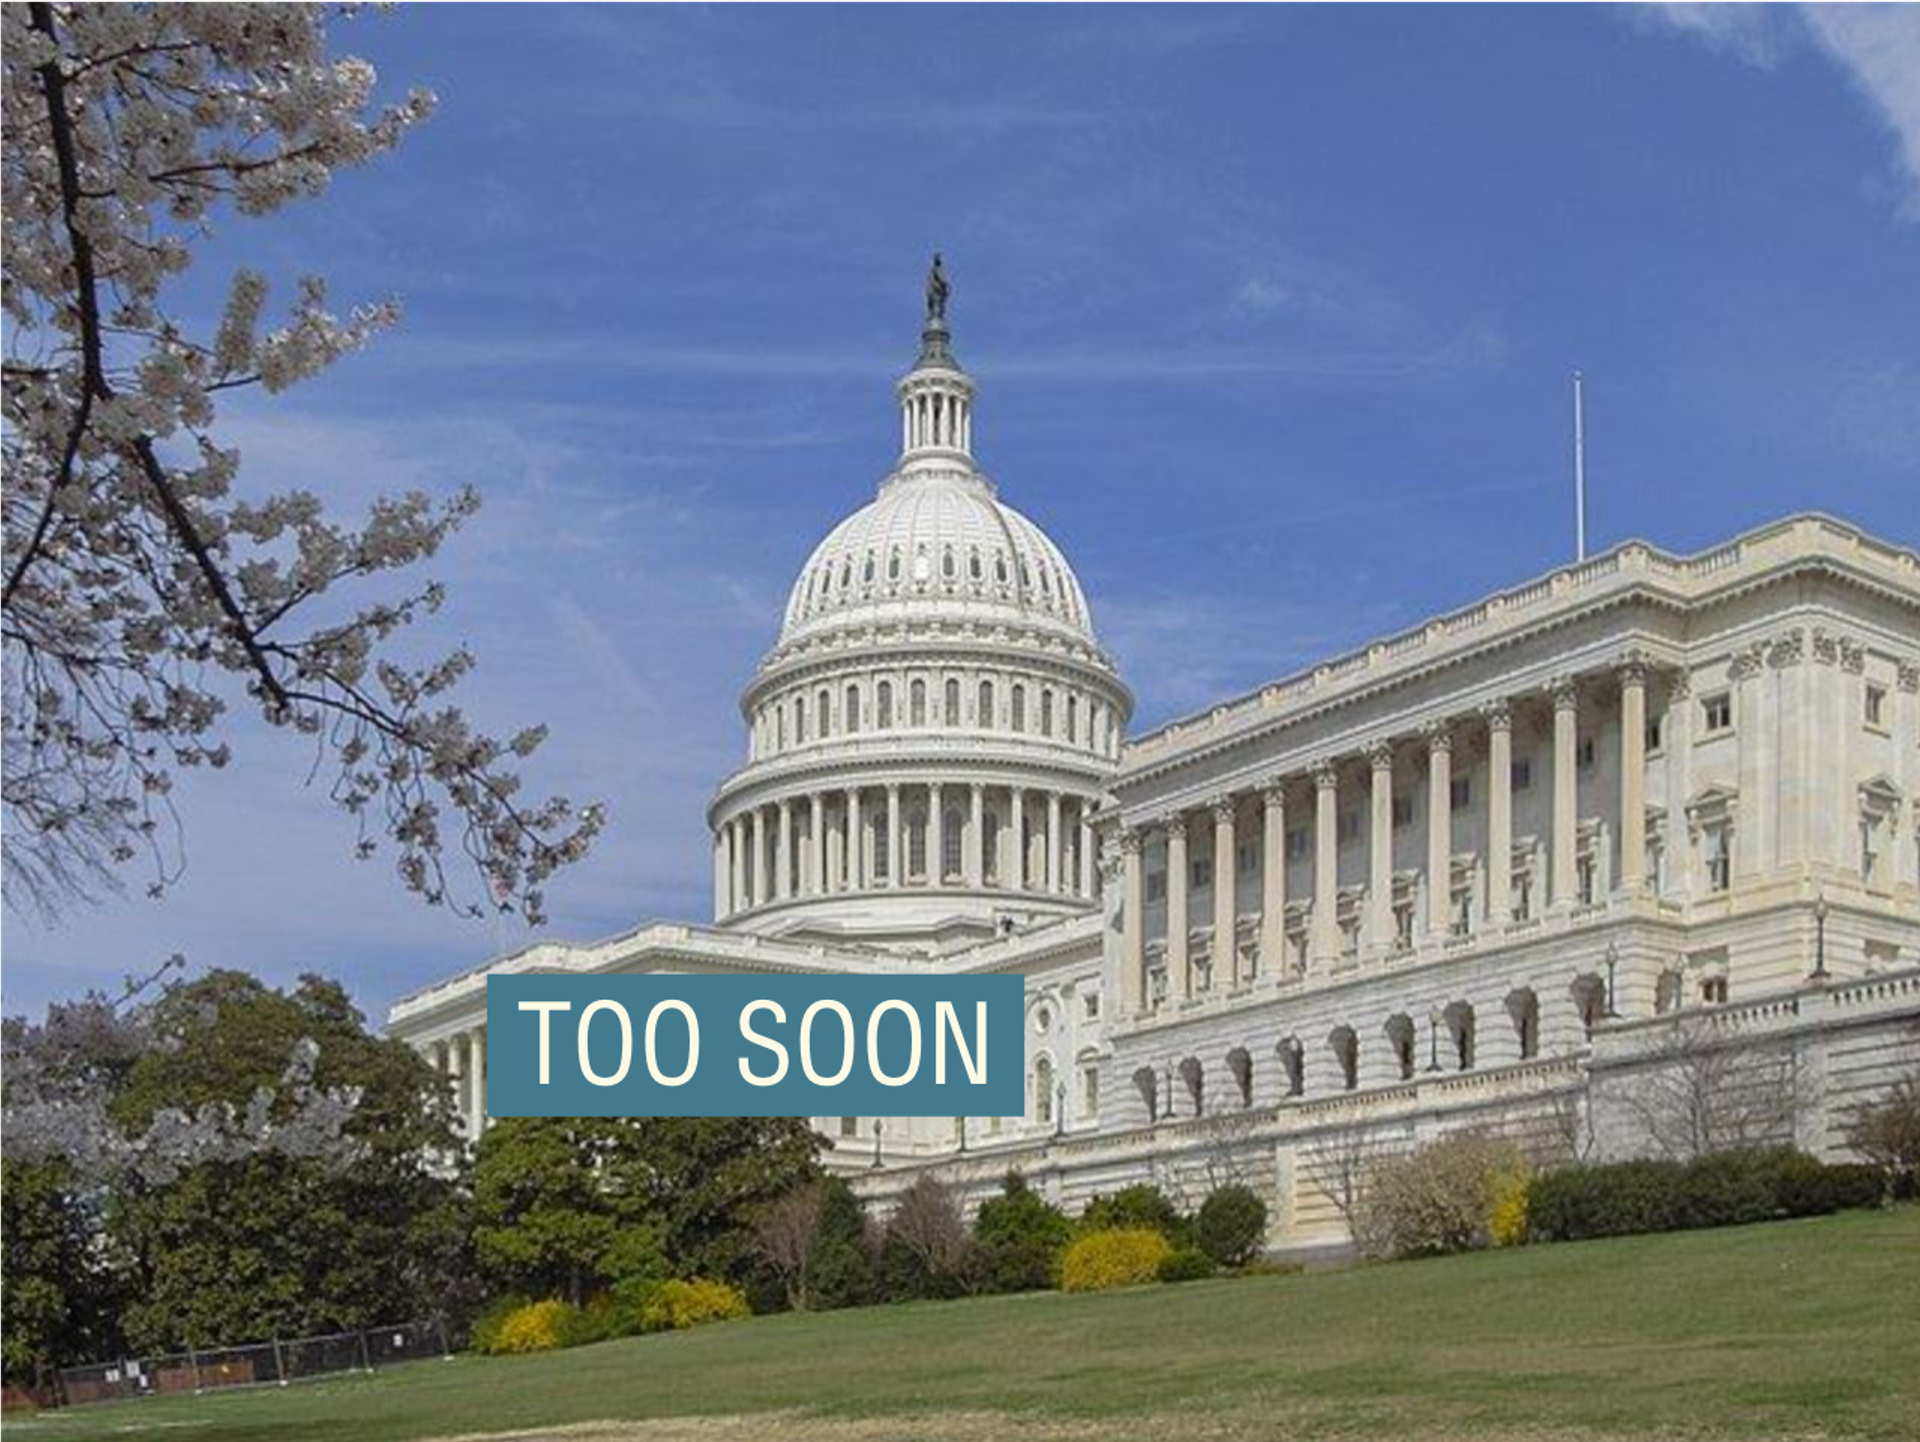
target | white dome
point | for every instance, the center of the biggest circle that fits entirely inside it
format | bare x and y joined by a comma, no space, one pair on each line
937,545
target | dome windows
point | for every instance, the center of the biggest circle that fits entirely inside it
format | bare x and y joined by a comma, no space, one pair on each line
883,707
893,564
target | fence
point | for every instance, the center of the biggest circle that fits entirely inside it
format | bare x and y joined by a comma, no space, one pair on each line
281,1361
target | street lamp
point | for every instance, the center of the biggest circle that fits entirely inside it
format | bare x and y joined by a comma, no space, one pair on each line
1819,938
1433,1039
1613,960
878,1126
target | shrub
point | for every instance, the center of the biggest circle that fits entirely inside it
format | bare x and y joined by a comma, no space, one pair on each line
677,1305
1186,1264
1020,1236
486,1326
1604,1201
1856,1184
1507,1208
927,1250
1887,1133
1440,1197
1140,1205
1231,1226
1114,1257
536,1327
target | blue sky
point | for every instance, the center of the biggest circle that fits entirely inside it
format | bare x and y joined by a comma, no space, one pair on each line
1272,313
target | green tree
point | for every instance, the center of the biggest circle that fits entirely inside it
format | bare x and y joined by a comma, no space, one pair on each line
842,1274
1021,1236
54,1290
565,1206
1231,1226
267,1243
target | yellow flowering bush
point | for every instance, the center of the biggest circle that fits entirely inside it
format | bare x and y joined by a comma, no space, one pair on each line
1114,1257
676,1305
536,1327
1507,1191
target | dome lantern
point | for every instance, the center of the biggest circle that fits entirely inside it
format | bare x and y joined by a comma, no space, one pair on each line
936,396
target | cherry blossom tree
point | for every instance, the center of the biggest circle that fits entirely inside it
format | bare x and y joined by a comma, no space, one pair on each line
143,594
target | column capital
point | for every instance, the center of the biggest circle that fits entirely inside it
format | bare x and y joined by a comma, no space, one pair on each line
1131,838
1498,714
1273,792
1438,735
1175,824
1380,755
1224,808
1565,691
1326,774
1633,667
1908,673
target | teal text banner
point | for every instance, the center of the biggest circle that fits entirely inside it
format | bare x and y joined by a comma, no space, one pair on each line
754,1046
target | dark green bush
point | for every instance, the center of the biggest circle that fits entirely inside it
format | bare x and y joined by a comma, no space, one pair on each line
1188,1264
1231,1226
1721,1189
1140,1205
1021,1236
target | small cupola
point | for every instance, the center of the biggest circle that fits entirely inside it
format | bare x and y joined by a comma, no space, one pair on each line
936,396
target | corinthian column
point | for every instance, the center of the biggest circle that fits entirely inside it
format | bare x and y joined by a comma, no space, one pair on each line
783,863
1179,984
1326,858
1439,829
936,838
977,837
1566,794
759,870
1633,774
817,872
1226,952
1133,938
1053,843
893,837
1499,813
854,852
1380,849
477,1081
1017,824
1273,881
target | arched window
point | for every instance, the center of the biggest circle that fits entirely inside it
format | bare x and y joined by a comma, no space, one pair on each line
867,574
780,728
1148,1085
1073,718
876,830
917,845
1019,707
1043,1092
825,712
1589,999
1293,1064
974,570
1046,712
950,843
1240,1066
951,716
1000,569
850,717
985,718
1346,1053
799,719
1524,1007
949,568
1458,1020
1195,1077
846,575
1401,1037
917,704
883,706
990,846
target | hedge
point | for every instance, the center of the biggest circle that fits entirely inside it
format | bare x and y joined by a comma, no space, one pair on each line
1721,1189
1115,1257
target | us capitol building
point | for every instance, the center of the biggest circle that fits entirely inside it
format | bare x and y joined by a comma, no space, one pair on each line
1611,833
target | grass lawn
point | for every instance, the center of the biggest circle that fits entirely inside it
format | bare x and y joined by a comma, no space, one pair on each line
1790,1330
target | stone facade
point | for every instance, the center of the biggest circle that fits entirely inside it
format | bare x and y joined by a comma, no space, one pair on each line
1509,868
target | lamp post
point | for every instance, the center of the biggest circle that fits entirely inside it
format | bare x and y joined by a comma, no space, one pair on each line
1169,1076
1819,938
878,1126
1613,960
1433,1039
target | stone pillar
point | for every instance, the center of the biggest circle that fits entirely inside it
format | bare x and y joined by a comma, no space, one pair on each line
1017,824
1380,932
936,838
1633,775
1226,952
1053,843
783,863
1273,881
977,837
817,872
1566,793
856,847
1499,814
722,897
1133,938
476,1082
736,866
1087,886
759,869
1179,983
1325,946
1439,829
894,877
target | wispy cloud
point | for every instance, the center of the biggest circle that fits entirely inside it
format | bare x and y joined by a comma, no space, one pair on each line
1877,46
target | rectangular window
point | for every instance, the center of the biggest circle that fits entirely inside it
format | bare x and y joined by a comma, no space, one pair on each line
1718,858
1462,911
1347,828
1402,811
849,1126
1584,755
1716,712
1523,775
1653,735
1460,793
1246,858
1585,873
1090,1091
1713,991
1202,872
1297,844
1092,1005
1403,926
1156,886
1876,707
1522,895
